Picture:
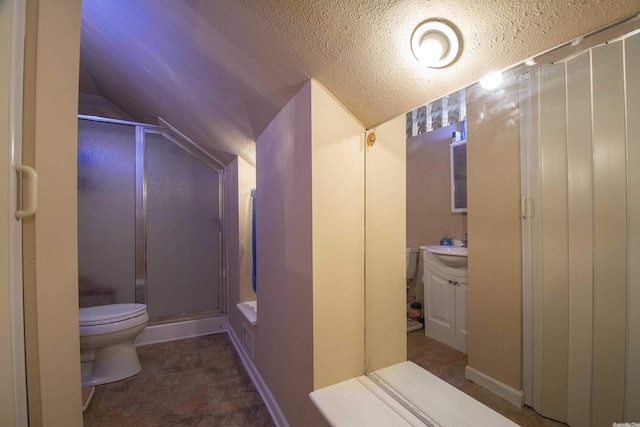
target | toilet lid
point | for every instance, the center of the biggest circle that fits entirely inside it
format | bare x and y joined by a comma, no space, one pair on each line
99,315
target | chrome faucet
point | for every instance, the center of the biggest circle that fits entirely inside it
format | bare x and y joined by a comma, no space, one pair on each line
464,240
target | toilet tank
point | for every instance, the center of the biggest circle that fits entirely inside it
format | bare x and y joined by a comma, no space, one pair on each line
412,258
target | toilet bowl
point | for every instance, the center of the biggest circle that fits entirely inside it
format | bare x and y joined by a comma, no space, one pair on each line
412,262
412,258
107,334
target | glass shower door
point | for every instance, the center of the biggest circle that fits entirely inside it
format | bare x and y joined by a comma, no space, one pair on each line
106,212
183,249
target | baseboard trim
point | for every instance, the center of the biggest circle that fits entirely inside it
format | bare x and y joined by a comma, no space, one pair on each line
272,406
511,395
180,330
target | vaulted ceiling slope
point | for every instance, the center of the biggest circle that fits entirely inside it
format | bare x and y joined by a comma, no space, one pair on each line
220,70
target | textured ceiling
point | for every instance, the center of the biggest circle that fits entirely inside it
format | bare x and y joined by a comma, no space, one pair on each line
220,70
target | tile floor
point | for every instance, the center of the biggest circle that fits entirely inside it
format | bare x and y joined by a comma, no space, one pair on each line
191,382
202,382
448,364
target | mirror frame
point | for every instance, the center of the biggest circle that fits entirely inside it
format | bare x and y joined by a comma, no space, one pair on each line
452,174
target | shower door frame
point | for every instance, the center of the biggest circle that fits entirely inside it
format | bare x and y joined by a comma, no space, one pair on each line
174,136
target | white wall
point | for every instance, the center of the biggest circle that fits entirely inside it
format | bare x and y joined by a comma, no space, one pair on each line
338,240
495,264
283,344
386,330
429,215
50,238
310,259
239,179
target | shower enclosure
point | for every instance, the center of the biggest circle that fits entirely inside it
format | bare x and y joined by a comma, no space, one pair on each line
149,220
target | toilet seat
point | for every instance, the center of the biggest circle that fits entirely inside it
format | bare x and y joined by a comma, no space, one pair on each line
112,313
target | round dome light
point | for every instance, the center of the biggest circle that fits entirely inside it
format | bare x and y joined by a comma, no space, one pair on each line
491,80
435,44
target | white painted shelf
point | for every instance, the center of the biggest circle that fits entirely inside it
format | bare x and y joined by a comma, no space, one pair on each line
362,401
250,311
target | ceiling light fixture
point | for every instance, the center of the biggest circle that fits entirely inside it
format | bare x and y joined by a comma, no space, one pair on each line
435,44
491,80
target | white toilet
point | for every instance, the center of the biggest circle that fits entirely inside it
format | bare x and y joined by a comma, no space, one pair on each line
107,333
412,262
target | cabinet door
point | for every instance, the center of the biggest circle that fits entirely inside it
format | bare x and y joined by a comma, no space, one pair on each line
439,297
445,299
461,308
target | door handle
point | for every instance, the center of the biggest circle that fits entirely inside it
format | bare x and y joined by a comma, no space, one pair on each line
32,186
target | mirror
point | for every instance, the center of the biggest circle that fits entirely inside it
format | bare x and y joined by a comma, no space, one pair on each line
536,105
458,168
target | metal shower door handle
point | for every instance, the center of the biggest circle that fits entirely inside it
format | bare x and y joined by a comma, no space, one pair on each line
32,186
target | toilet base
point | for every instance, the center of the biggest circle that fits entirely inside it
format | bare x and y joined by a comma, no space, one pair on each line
413,325
113,363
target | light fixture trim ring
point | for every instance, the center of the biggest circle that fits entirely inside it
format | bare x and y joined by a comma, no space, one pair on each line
440,27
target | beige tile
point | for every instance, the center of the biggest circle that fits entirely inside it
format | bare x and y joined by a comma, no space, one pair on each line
448,364
192,382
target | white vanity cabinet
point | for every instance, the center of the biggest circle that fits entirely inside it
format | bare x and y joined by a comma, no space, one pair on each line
445,296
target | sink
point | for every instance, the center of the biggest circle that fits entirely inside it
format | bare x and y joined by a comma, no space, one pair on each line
453,256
